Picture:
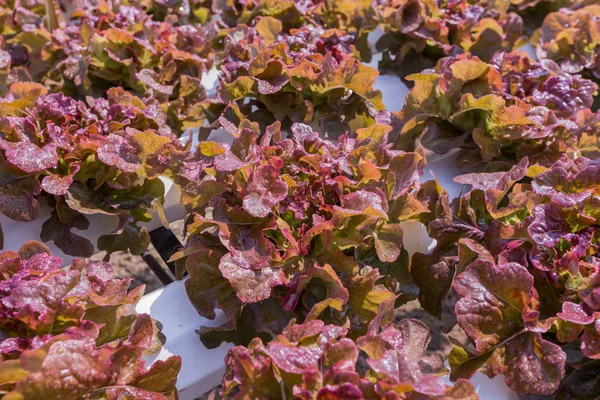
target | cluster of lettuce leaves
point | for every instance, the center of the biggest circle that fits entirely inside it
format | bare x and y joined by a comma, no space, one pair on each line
571,37
98,156
309,75
355,17
417,33
526,271
351,16
74,333
300,228
187,12
318,361
545,6
93,48
499,112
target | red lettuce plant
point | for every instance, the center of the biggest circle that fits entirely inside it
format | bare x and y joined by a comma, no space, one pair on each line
318,361
74,332
195,12
420,32
589,143
546,6
526,271
309,76
103,157
356,17
501,112
533,12
571,38
299,228
99,47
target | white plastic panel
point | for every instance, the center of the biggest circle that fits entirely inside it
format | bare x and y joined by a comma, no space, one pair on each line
17,233
202,369
393,91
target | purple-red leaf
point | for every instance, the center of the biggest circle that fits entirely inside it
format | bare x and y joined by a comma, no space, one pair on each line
265,190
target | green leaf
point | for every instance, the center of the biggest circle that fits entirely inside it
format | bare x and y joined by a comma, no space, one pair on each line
131,238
